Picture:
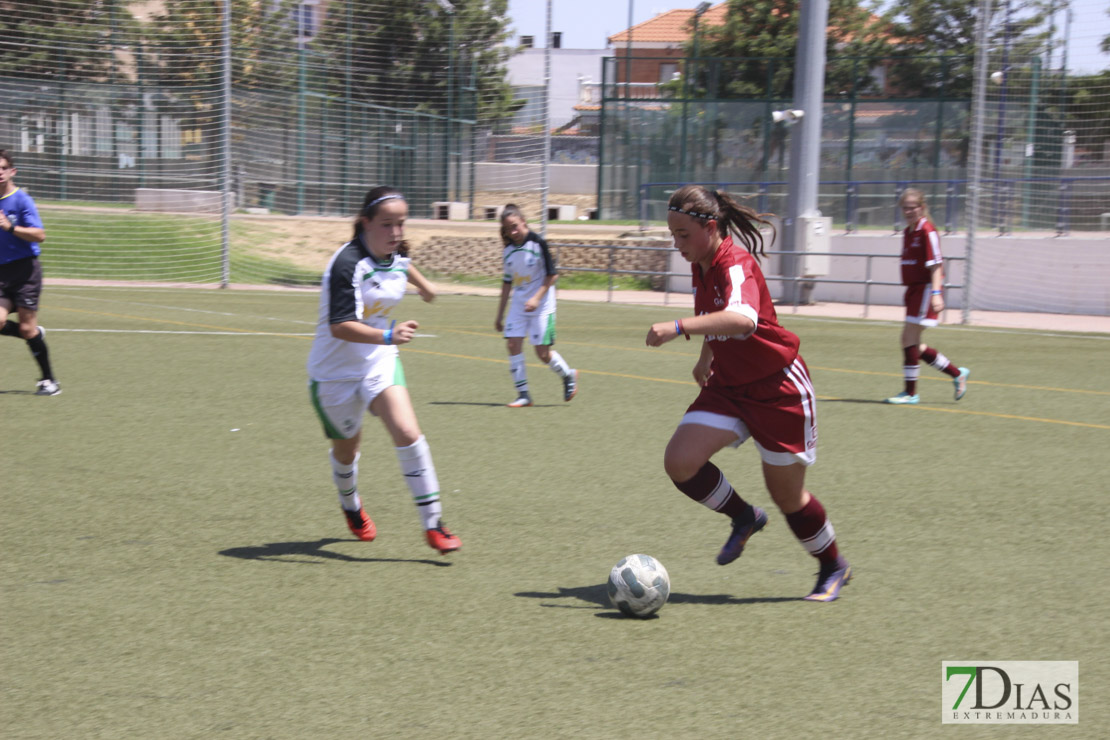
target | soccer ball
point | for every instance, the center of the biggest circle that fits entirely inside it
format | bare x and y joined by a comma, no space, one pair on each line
639,586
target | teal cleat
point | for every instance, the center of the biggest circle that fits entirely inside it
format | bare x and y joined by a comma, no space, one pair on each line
961,383
903,398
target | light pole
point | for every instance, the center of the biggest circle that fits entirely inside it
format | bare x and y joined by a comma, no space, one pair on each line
686,74
1001,128
452,194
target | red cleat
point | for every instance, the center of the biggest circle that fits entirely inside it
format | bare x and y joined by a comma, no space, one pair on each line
361,525
441,539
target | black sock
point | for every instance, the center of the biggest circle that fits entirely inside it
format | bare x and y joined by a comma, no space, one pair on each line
9,329
41,355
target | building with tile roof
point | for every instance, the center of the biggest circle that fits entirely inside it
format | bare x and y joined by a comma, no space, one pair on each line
652,44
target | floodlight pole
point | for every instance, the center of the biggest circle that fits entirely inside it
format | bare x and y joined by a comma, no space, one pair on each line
805,143
690,66
225,151
301,112
545,164
975,152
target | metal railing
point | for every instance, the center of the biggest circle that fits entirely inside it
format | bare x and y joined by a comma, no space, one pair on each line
795,281
1001,193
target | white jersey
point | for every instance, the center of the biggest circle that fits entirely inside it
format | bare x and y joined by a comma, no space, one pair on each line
356,287
526,267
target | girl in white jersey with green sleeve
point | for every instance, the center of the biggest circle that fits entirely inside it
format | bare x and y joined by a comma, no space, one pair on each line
354,364
530,280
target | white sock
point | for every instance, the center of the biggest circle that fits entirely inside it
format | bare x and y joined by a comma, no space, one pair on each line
346,481
519,372
941,362
558,364
420,474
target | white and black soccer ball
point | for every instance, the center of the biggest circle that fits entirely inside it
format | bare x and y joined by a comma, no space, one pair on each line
639,585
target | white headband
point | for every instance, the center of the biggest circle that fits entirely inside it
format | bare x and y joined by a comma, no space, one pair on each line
376,201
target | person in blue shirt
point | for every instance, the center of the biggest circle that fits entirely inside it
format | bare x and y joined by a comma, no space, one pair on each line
21,232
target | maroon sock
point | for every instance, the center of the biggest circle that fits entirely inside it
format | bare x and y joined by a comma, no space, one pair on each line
709,488
940,362
814,530
910,368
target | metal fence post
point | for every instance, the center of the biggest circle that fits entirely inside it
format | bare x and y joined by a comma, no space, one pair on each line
867,286
612,259
898,190
850,209
1063,208
949,207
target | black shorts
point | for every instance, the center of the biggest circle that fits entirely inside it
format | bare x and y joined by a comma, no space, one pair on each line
21,282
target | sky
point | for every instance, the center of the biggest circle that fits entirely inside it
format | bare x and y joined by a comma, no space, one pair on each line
585,24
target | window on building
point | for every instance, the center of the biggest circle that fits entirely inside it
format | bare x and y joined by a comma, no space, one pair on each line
307,19
667,71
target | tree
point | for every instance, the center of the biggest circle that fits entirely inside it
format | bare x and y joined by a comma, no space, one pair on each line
61,39
1088,112
182,44
936,41
1105,45
755,48
410,54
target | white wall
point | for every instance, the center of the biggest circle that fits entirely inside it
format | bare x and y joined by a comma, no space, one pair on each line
1014,273
1068,275
567,65
570,179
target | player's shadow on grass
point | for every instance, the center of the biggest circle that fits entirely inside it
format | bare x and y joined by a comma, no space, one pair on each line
852,400
16,393
464,403
493,405
599,596
312,553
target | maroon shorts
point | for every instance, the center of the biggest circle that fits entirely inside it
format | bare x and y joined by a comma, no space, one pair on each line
21,282
778,412
919,305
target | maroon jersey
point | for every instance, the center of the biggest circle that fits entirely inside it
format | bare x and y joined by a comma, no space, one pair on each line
920,251
734,282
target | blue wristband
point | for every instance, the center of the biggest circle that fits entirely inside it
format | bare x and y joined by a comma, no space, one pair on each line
937,292
387,337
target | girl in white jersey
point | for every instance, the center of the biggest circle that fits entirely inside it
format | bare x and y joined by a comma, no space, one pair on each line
354,364
530,279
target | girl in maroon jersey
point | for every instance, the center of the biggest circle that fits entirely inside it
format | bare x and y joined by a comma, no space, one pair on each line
754,384
923,276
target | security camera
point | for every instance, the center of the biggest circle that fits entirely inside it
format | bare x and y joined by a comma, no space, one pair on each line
787,116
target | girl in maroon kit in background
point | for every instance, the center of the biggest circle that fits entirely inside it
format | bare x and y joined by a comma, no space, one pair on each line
923,276
754,384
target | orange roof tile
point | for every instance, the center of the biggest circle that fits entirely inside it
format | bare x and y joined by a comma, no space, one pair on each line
670,27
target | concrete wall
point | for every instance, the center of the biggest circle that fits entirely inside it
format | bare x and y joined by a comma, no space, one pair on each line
572,179
1067,275
190,201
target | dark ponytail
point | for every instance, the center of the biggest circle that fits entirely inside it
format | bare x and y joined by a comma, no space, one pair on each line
371,204
731,216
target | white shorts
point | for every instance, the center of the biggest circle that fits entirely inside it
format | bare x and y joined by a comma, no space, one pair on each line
538,327
340,404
